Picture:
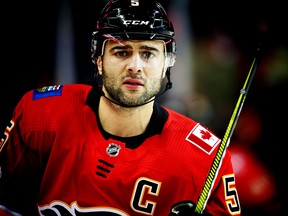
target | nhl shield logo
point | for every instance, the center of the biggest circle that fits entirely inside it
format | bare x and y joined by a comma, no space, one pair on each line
113,149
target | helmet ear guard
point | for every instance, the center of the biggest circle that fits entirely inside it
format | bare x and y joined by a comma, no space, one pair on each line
96,44
170,59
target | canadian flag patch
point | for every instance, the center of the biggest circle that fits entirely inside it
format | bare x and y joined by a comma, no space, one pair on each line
203,139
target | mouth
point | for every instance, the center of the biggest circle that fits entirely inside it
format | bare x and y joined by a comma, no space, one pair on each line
133,84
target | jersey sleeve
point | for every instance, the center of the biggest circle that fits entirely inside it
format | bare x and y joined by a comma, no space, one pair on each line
28,140
17,174
224,197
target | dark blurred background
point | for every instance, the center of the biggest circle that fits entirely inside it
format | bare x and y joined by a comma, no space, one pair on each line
48,42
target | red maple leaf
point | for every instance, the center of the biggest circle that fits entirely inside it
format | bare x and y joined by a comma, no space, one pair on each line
205,134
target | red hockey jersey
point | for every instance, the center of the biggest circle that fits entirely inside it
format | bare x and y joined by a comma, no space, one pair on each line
57,160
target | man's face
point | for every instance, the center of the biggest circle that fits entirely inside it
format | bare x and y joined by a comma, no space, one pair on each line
132,70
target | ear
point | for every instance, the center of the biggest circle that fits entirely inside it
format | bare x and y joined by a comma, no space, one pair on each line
99,64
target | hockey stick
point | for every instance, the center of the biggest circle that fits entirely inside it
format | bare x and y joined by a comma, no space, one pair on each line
211,177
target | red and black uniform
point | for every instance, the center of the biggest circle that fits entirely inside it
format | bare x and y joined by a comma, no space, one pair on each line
56,159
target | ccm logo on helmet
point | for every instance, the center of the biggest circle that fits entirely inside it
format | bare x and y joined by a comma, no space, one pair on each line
135,22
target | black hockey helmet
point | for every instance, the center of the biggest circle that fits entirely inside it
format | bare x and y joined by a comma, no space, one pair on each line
134,19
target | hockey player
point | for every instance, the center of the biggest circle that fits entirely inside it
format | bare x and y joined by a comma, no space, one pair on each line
109,148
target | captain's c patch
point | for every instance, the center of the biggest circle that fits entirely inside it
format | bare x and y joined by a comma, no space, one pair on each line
203,139
47,91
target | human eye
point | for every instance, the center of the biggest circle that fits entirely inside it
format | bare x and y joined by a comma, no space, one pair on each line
147,55
121,53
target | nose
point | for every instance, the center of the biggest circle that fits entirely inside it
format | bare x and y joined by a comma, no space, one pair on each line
135,63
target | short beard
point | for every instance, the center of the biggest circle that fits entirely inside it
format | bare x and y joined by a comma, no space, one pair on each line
118,96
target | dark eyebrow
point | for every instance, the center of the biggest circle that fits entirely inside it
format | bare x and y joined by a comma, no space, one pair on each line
150,48
123,47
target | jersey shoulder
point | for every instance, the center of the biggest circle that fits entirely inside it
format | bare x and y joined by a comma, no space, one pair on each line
179,120
60,90
192,132
49,103
57,93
